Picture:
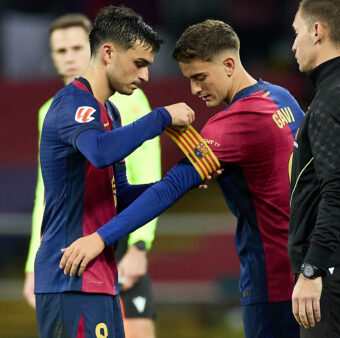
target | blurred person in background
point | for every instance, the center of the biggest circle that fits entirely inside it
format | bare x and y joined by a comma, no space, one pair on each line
70,51
314,235
253,140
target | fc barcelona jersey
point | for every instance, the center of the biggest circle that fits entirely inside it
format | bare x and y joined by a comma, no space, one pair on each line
79,198
253,139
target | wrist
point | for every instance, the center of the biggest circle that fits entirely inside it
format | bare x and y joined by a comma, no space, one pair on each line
100,238
311,271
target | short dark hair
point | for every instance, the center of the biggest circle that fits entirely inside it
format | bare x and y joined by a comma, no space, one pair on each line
124,27
325,11
204,40
71,20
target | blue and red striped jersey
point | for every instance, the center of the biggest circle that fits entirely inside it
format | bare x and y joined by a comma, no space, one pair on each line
79,198
253,139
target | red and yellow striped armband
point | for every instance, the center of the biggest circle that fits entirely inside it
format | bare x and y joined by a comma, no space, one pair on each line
195,149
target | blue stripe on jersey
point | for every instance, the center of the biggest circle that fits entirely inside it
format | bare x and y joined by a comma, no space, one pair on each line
285,101
76,169
253,281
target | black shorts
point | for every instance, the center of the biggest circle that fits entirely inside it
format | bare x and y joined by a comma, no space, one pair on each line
138,302
329,326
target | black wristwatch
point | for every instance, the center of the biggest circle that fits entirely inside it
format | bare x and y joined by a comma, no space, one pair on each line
140,245
310,271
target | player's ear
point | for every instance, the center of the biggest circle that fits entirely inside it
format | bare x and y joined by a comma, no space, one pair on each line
229,65
108,50
319,32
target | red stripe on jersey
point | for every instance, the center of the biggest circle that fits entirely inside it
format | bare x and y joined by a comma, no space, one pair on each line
80,85
81,328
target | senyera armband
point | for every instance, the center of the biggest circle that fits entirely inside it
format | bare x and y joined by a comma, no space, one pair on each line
195,149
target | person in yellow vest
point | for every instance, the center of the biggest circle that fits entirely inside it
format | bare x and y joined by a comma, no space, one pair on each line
70,52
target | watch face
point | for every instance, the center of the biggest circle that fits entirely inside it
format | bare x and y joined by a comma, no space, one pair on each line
140,245
308,271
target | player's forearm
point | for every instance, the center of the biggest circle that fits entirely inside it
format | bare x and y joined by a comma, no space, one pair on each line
152,202
104,148
126,193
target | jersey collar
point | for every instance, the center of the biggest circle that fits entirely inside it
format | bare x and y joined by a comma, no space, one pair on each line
248,90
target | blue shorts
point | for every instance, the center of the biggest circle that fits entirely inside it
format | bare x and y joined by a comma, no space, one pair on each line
78,315
270,320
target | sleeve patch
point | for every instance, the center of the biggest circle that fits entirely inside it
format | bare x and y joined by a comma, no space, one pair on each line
84,114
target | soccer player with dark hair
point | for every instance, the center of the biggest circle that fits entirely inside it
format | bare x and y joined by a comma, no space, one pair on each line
314,234
253,140
81,146
70,51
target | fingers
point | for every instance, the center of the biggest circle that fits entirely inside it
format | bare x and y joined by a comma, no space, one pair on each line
317,310
72,260
66,254
309,321
70,254
191,115
83,265
295,305
302,313
182,115
306,312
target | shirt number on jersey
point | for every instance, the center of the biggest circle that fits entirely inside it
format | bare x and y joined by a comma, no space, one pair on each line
101,331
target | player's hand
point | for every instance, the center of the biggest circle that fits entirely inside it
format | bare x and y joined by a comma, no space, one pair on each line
80,253
182,115
132,267
204,184
28,290
306,301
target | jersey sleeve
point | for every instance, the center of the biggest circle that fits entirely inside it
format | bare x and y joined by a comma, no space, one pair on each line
323,132
38,207
152,202
144,164
73,116
223,135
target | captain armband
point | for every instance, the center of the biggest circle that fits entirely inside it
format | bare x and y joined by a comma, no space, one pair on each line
195,149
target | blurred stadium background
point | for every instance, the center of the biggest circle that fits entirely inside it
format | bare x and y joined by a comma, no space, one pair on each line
193,262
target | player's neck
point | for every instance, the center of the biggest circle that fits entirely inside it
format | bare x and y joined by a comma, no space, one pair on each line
99,84
242,80
326,53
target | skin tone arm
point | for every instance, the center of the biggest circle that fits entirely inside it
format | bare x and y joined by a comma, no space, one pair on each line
306,301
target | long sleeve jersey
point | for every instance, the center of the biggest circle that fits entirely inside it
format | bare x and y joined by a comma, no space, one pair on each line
314,234
253,140
79,147
143,166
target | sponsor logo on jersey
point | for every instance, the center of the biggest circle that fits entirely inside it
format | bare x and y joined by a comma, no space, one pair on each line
84,114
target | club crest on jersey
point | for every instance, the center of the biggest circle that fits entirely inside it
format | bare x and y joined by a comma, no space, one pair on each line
201,150
84,114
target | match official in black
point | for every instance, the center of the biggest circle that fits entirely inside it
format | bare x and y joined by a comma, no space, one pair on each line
314,235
